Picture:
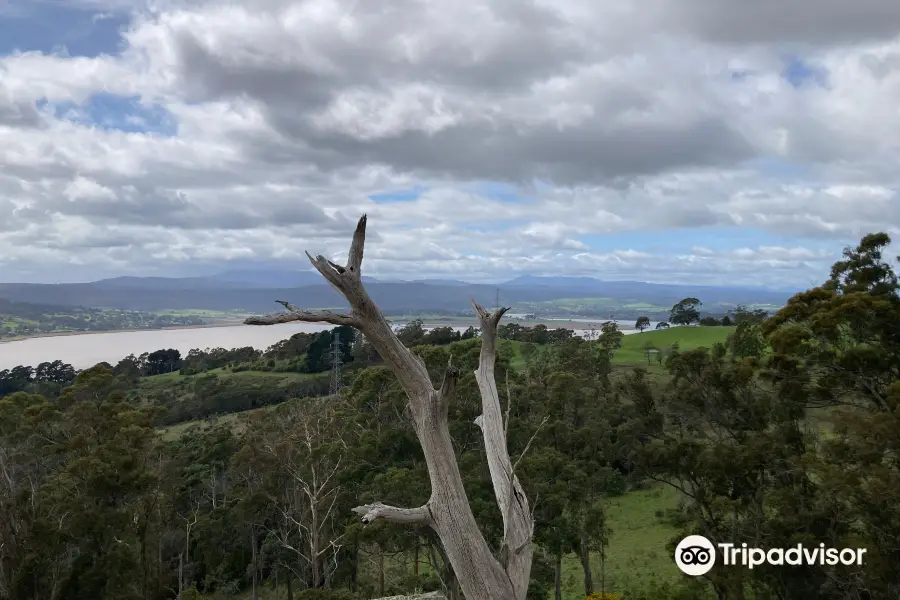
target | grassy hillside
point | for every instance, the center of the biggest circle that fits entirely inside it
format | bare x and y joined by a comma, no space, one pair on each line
236,420
688,338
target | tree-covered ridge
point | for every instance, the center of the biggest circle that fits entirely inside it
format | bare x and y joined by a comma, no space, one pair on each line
24,318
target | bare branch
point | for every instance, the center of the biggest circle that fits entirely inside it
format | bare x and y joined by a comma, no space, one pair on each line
354,260
518,525
371,512
327,271
451,375
485,316
299,314
340,269
508,407
528,445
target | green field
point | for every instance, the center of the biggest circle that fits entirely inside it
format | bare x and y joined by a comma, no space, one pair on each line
236,420
637,556
688,338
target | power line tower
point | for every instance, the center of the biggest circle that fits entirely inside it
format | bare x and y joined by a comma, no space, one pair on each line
336,363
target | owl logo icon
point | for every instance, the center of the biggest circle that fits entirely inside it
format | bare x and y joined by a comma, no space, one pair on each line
695,555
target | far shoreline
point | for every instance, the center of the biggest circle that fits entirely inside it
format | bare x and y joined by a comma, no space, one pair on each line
550,323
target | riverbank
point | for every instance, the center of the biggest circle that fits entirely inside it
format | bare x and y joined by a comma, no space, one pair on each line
550,323
50,334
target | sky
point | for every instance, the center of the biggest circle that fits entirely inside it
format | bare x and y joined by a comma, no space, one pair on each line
671,141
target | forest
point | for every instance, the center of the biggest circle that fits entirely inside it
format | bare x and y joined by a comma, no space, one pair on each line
785,432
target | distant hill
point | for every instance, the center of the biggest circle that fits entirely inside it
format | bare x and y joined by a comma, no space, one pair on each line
233,279
588,287
253,292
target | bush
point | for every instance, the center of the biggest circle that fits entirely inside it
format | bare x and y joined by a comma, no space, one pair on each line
325,595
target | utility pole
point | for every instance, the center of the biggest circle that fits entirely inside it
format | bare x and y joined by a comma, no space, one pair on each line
336,363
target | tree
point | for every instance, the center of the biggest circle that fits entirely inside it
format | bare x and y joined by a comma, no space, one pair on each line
481,575
747,339
685,312
642,323
610,338
662,325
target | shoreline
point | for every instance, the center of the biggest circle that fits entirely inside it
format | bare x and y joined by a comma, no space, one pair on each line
22,338
449,322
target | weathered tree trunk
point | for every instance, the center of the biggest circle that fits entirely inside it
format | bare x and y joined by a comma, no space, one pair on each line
314,560
603,570
354,567
480,574
557,578
585,556
290,588
255,591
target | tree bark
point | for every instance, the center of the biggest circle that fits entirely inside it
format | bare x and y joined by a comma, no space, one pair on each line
585,556
557,578
603,570
481,576
255,591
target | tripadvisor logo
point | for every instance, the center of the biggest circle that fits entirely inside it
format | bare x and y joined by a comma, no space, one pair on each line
695,555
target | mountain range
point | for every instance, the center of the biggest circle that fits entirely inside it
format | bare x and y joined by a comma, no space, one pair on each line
256,290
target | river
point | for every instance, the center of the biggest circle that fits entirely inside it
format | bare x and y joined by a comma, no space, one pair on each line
88,349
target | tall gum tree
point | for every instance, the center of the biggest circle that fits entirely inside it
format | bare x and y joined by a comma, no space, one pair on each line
481,574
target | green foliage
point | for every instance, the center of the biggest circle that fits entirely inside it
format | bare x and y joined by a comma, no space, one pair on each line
642,323
685,312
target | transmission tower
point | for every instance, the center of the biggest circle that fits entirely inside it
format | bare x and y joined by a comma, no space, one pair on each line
336,363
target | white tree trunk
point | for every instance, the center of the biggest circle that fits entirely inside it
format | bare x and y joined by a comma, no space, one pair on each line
481,575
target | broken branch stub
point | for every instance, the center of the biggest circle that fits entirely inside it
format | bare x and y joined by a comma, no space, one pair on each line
481,575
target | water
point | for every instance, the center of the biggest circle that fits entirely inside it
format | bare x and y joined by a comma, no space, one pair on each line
86,350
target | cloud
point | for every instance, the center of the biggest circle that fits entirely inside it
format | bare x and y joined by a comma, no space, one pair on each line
530,131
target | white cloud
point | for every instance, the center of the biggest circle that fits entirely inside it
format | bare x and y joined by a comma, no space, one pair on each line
291,113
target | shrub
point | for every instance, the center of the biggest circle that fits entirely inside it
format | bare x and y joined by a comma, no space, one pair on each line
320,594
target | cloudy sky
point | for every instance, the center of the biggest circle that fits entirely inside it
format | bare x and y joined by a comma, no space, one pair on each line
726,142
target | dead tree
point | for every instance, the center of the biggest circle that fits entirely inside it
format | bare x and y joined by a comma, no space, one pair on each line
481,575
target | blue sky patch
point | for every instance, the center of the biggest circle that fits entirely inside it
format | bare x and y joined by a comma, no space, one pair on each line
776,167
50,27
496,190
406,195
116,113
799,72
